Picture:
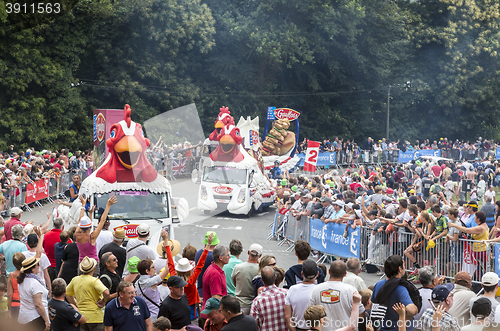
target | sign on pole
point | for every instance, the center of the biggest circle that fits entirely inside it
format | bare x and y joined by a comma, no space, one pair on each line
311,156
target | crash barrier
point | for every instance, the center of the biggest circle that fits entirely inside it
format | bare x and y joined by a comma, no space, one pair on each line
398,156
27,195
372,248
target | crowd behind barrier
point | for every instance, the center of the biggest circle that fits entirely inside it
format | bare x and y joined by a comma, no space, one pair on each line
45,189
398,156
328,240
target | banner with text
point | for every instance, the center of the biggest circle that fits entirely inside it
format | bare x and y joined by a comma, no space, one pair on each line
329,238
405,157
37,191
311,156
324,159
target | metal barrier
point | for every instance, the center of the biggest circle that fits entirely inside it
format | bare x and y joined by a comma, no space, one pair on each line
472,256
57,187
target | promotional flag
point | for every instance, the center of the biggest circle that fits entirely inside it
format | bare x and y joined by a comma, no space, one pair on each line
311,156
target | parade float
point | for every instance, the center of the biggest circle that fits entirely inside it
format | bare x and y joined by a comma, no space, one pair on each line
144,196
231,171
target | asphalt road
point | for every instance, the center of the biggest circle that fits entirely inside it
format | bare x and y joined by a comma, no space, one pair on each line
192,230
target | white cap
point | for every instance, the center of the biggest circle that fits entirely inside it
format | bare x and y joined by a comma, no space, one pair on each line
85,222
490,279
143,229
16,211
255,249
339,203
350,204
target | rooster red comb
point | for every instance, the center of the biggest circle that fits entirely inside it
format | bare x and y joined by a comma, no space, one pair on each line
225,110
126,115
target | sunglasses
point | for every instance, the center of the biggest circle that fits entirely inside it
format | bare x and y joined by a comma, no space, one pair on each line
272,264
113,260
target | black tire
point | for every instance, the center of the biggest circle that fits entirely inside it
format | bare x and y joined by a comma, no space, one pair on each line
206,212
250,212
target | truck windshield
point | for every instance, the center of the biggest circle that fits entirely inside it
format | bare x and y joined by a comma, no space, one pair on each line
225,175
133,205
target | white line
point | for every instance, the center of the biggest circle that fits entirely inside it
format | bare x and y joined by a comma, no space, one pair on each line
193,208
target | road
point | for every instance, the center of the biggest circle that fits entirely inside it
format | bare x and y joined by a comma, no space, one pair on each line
192,230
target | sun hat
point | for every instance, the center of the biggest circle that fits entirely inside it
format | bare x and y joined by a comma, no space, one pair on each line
284,182
29,263
119,234
215,240
87,264
175,247
85,222
132,264
183,265
294,188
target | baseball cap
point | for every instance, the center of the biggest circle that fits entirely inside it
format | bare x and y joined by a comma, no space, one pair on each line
308,196
211,304
373,212
255,249
441,292
490,279
463,276
85,222
349,205
143,229
176,281
325,198
32,239
481,308
309,269
339,203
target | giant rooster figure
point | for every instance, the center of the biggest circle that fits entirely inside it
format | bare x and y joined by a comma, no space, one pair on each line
126,161
229,145
224,118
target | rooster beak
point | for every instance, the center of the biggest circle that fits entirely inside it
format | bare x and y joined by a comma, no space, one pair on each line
128,149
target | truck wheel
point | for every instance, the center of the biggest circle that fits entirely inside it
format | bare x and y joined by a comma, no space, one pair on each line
206,212
250,212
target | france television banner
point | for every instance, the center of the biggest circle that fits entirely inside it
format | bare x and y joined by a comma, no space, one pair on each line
405,157
497,153
37,190
311,156
497,258
324,159
329,238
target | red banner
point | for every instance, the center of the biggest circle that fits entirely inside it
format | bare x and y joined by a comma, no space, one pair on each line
311,156
37,191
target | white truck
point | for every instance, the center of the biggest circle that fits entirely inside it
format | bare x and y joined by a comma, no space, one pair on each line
230,178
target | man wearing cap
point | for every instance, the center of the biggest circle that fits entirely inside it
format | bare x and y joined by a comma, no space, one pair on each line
176,306
470,209
242,276
12,246
87,291
208,260
44,263
295,305
268,308
441,297
489,282
338,207
115,247
127,312
215,318
214,279
326,202
15,218
461,298
137,246
481,310
275,171
49,241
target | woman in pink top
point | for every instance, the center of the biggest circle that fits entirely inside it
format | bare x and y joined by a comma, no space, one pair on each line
85,240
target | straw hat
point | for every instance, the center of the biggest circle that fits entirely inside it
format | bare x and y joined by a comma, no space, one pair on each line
87,264
29,263
175,247
119,234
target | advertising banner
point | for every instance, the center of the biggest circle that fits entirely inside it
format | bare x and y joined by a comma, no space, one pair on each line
324,159
329,238
497,154
497,258
311,156
37,191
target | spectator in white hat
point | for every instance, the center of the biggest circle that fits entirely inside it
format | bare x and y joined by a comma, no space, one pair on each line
489,282
242,276
138,247
85,239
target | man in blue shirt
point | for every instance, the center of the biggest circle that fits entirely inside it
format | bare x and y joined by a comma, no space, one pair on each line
471,209
275,171
338,207
12,246
127,312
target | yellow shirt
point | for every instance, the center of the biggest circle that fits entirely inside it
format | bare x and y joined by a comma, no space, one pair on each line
87,291
480,247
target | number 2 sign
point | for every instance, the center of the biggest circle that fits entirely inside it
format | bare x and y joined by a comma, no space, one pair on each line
311,156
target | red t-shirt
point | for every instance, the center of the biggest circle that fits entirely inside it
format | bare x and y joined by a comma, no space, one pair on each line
8,228
49,241
214,283
57,165
436,170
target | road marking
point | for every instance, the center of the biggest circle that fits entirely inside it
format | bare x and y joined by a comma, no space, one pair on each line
233,219
193,208
262,214
233,228
207,226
